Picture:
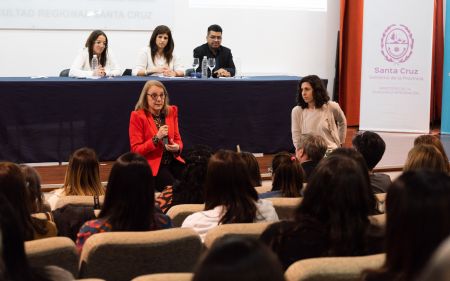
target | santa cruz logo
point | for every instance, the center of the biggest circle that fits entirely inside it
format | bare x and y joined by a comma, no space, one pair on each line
397,43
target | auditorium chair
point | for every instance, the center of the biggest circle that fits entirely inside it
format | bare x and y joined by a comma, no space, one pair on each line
178,213
285,206
125,255
78,200
332,268
59,251
252,230
186,276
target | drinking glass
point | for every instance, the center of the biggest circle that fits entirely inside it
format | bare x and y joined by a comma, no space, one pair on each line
195,64
211,65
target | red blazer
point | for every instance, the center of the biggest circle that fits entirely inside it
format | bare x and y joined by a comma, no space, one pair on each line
143,128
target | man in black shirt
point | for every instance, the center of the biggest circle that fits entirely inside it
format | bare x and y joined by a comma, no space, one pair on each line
213,49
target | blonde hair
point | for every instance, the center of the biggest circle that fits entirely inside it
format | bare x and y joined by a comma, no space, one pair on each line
82,174
432,140
425,156
142,102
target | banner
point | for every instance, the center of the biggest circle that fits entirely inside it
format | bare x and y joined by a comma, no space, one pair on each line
445,116
396,65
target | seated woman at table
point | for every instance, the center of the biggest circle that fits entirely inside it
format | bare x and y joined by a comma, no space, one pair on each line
96,44
158,58
316,114
154,134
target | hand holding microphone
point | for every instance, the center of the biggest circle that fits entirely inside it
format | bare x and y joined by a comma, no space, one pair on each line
162,133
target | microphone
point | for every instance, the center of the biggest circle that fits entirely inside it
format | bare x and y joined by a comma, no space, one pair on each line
165,139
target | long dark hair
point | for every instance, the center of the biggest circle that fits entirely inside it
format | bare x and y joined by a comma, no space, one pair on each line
320,93
253,167
168,50
12,186
33,184
90,45
288,178
130,200
228,184
337,196
190,189
417,221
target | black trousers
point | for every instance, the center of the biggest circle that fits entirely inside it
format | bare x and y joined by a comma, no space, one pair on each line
168,173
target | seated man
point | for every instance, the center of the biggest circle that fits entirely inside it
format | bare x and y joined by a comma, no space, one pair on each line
372,148
213,49
310,150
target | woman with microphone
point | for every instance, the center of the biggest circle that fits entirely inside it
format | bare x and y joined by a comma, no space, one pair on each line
154,133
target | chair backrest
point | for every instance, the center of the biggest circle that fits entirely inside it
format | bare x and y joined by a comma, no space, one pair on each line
285,206
59,251
64,73
253,230
186,276
178,213
125,255
332,268
78,200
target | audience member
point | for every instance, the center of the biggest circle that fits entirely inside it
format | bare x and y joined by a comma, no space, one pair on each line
154,134
12,187
238,259
229,196
213,49
253,167
437,268
425,156
417,221
332,219
129,201
96,44
433,140
316,114
287,177
372,148
37,201
13,260
310,150
158,58
190,189
82,177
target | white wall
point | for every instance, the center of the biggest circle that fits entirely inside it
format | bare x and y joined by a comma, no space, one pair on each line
262,41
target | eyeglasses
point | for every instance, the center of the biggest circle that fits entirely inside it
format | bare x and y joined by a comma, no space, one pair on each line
218,38
155,97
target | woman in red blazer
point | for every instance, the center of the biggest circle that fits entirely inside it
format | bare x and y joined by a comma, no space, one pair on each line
154,133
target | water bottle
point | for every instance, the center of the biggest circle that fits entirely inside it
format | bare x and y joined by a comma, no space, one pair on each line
94,64
204,67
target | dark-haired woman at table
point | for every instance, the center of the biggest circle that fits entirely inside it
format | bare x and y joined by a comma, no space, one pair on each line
96,44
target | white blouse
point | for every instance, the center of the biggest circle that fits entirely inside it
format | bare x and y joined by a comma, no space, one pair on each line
144,62
81,67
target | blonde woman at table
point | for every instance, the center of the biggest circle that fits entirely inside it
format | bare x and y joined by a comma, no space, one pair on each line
96,44
316,114
158,59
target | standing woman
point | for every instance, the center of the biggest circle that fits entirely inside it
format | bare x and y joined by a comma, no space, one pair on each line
158,58
316,114
154,133
96,44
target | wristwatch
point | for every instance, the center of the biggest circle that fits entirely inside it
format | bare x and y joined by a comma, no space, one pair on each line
155,140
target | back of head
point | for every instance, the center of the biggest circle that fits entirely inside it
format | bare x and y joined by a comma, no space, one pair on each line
371,146
12,187
425,156
279,158
190,189
433,140
253,167
288,178
12,250
33,184
417,209
228,184
338,195
239,259
82,174
313,146
129,200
